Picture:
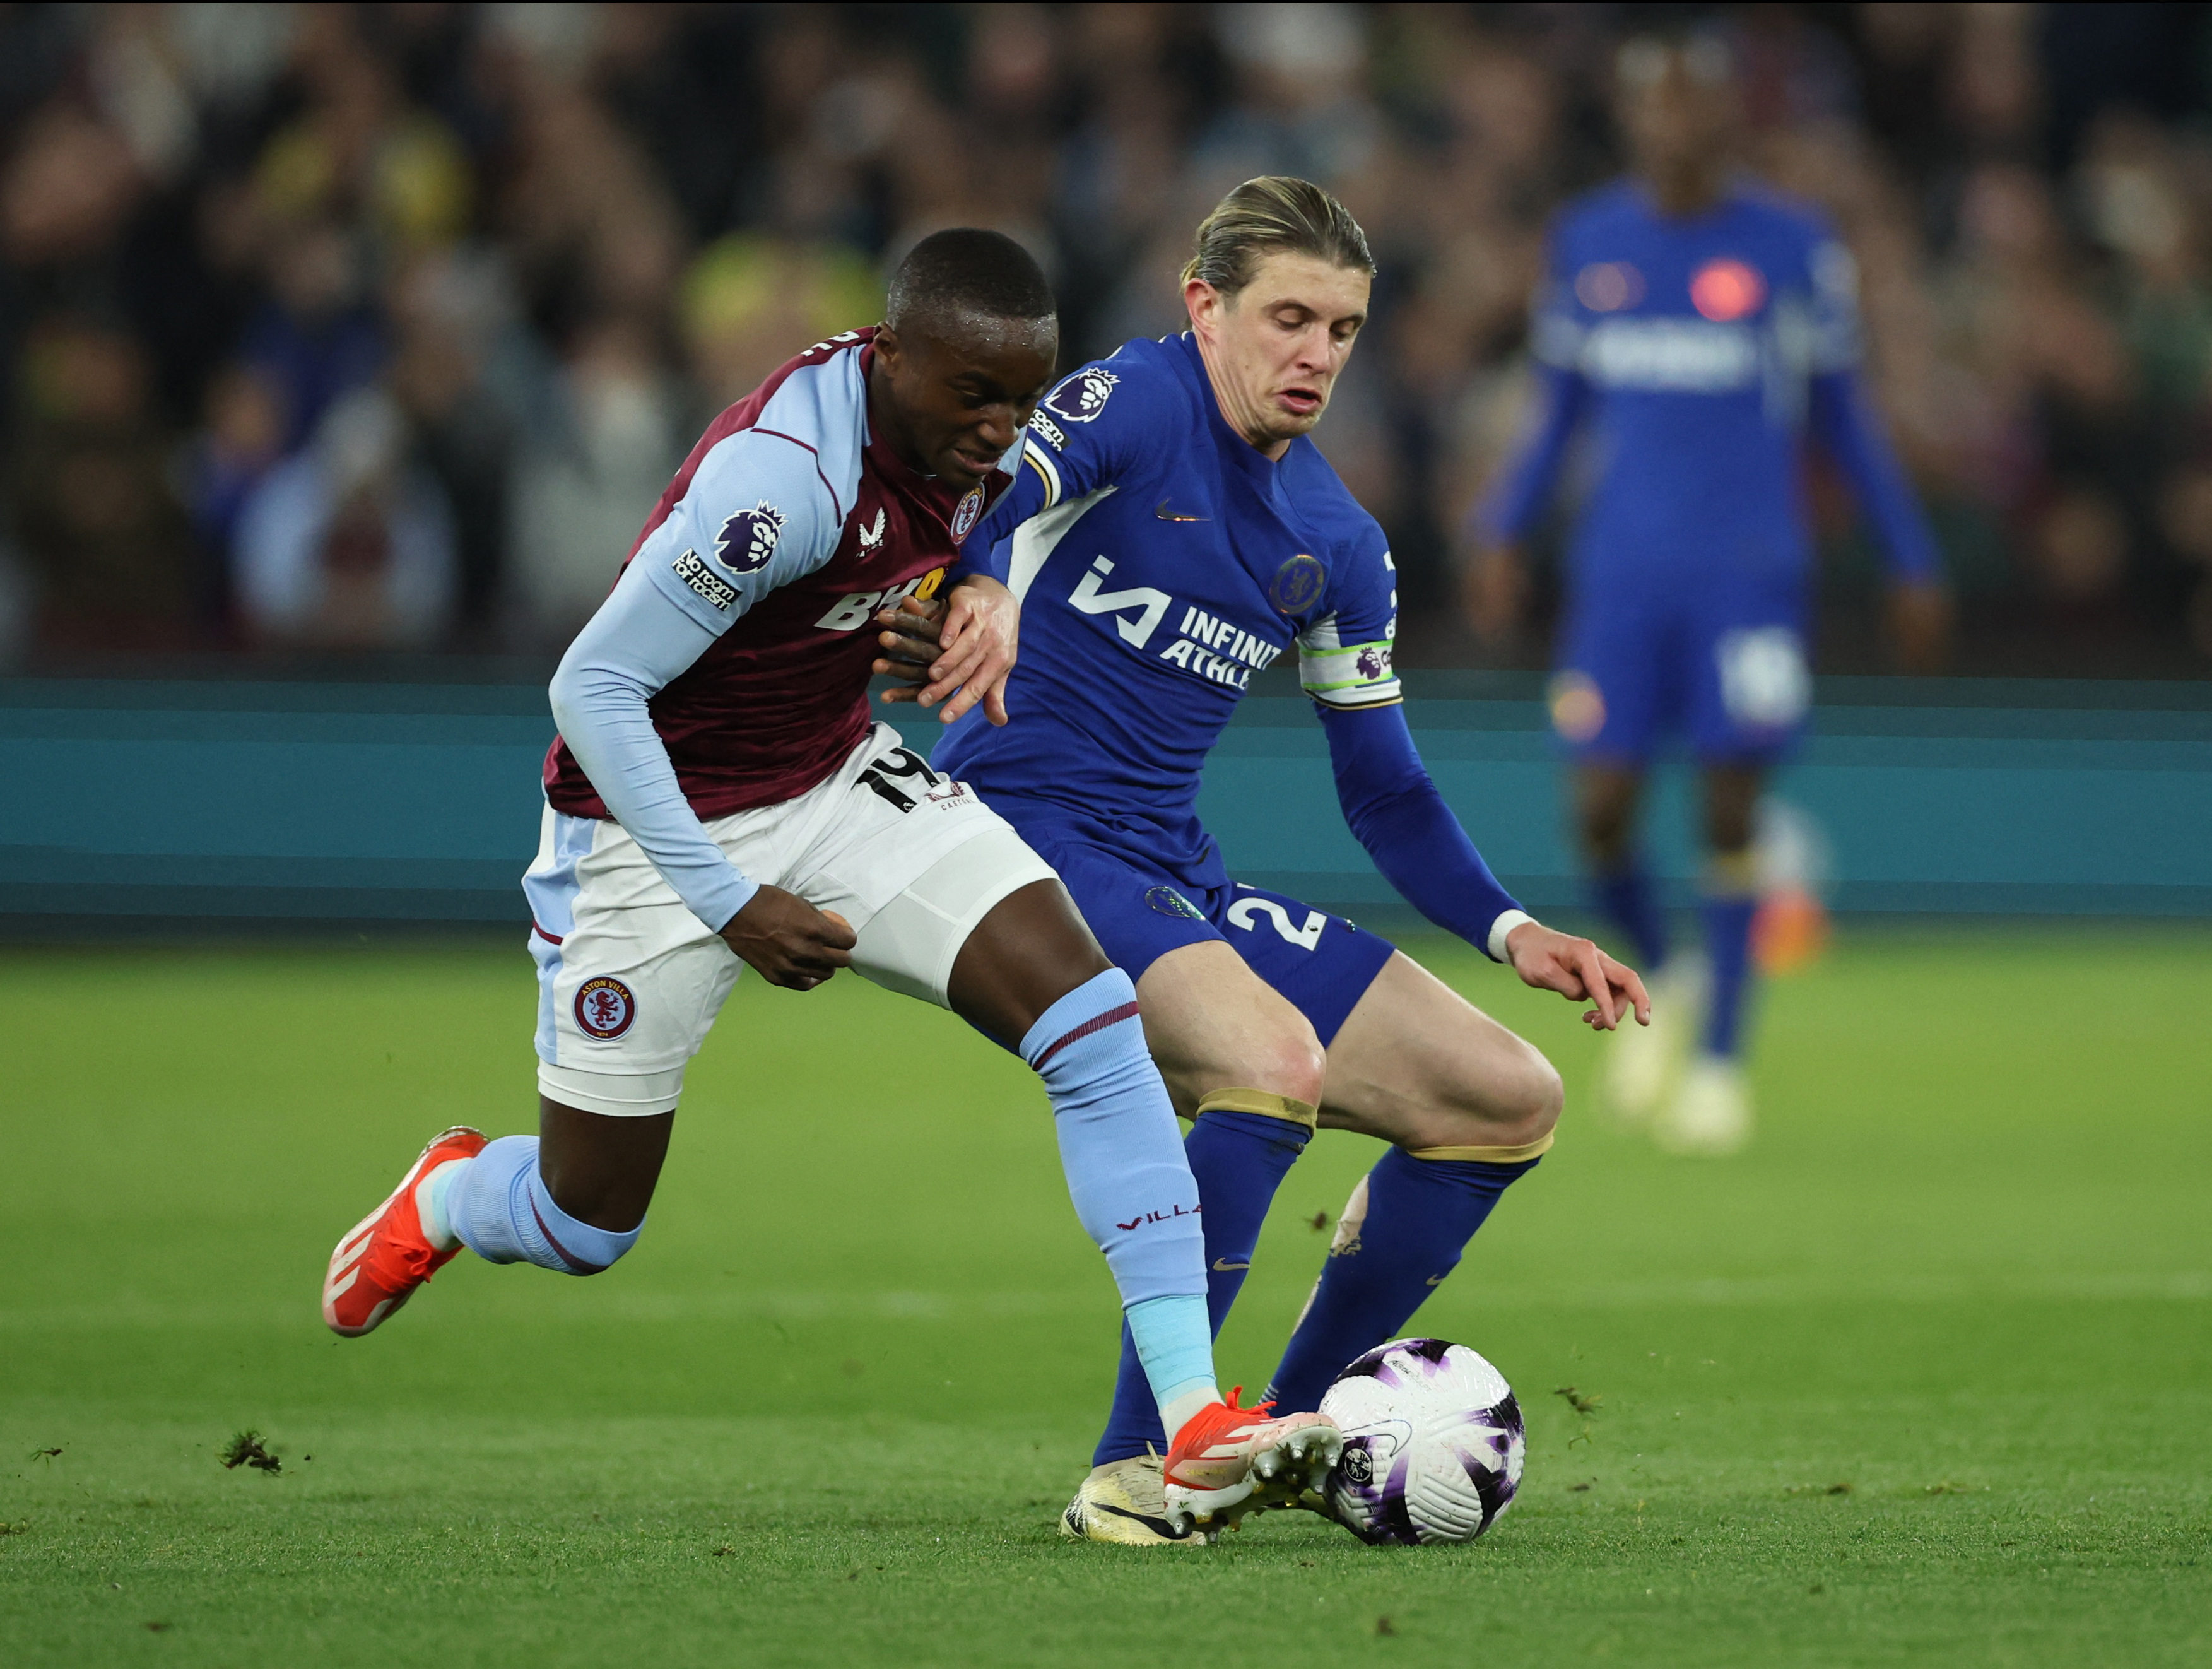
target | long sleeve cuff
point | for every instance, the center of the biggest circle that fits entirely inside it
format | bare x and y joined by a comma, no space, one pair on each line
1500,929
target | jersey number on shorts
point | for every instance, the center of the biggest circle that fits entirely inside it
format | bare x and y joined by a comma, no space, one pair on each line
907,765
1305,938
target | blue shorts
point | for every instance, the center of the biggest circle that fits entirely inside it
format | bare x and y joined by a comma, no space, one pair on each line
1726,667
1323,962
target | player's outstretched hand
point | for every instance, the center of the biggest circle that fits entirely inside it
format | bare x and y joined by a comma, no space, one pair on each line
789,940
1578,971
963,648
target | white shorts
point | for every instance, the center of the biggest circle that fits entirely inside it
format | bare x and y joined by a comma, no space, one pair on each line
629,980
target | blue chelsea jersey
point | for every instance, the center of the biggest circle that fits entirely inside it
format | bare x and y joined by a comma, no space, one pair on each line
1698,353
1162,560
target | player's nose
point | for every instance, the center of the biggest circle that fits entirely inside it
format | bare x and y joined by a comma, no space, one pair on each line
997,426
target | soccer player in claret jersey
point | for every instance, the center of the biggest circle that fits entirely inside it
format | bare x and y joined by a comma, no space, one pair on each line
718,797
1696,325
1172,530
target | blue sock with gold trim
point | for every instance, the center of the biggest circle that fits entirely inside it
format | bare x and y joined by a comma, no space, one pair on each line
1403,1232
1628,900
1730,901
1240,1157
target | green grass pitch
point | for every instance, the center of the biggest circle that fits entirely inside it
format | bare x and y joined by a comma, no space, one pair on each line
1924,1377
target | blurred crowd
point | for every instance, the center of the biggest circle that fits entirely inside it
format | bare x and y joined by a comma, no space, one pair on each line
350,328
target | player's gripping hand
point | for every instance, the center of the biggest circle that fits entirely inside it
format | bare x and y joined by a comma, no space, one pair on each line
963,648
789,940
1578,971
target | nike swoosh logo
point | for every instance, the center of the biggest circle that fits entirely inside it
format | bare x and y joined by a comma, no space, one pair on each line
1126,1226
1225,1266
1437,1279
1165,514
1157,1526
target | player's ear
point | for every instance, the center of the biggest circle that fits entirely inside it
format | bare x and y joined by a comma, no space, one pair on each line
888,348
1202,299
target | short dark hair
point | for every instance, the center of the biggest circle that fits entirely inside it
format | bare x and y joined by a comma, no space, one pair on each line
967,270
1274,214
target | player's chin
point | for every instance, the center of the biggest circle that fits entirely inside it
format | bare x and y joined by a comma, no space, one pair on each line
960,471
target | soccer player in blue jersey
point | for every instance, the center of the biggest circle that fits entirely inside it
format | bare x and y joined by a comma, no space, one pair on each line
1173,531
1695,328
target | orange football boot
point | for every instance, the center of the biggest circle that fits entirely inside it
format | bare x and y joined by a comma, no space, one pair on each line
386,1255
1228,1461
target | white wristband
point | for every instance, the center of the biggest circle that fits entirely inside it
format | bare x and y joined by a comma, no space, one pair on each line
1506,922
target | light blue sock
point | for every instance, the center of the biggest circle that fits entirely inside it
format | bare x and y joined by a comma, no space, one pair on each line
1133,1188
1119,1143
503,1212
1174,1342
436,1201
1239,1159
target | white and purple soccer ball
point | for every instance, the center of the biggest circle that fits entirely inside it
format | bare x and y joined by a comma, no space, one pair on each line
1433,1444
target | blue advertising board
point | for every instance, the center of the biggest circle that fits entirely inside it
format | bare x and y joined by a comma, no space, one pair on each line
245,799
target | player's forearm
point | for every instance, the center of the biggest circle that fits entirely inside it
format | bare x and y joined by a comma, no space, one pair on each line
636,644
1395,813
1845,424
1423,852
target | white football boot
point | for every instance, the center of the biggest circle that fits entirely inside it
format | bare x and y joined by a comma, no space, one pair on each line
1228,1461
1711,1113
1643,1063
1125,1502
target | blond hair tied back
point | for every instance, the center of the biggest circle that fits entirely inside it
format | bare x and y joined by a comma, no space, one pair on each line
1274,214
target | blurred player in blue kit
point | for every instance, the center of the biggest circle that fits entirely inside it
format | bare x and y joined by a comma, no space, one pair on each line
1693,328
1171,532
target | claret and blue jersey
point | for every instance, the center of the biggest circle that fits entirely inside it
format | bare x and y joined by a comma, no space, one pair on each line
1162,560
740,619
1696,355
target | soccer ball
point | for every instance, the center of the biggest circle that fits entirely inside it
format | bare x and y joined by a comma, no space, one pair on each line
1433,1444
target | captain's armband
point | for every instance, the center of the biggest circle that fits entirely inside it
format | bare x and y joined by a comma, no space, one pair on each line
1348,675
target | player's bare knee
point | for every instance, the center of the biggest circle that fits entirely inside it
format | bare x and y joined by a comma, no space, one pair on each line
1605,830
1605,813
1516,1100
1538,1097
1286,1060
617,1214
1727,831
1731,802
599,1169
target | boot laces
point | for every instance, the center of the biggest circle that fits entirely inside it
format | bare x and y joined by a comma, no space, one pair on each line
397,1264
